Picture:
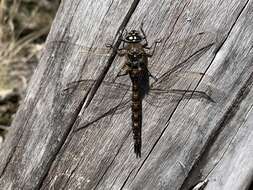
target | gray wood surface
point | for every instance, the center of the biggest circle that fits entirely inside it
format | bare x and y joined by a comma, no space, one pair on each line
64,140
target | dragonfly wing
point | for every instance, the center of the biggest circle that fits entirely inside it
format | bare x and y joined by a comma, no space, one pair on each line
170,77
206,36
124,106
97,51
88,51
159,98
170,80
85,84
177,77
103,102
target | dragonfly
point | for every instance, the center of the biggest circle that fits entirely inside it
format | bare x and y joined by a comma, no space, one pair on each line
135,50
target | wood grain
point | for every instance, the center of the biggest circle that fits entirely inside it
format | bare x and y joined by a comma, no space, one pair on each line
69,141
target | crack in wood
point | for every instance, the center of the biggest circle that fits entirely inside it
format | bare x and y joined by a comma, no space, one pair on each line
80,161
112,56
68,131
251,184
231,111
198,53
124,183
226,120
87,99
126,137
173,27
9,160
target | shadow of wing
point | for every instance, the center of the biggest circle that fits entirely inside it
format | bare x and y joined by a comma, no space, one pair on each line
111,98
118,109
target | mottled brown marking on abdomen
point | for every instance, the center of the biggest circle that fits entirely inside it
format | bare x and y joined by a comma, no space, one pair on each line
136,118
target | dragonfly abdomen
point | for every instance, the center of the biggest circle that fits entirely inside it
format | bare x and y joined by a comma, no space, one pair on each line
136,117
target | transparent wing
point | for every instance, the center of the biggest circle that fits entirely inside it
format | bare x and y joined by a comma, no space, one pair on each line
160,95
169,78
109,93
155,97
85,84
192,40
161,91
88,51
107,51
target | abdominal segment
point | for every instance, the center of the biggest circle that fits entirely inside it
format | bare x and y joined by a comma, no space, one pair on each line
136,119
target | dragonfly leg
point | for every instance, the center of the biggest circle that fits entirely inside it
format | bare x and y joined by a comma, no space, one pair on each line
123,33
144,36
123,71
109,45
145,45
153,47
152,76
121,74
122,52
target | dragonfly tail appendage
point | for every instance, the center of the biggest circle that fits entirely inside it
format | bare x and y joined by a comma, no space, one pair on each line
137,148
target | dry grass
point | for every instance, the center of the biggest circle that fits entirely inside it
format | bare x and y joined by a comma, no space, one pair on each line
24,25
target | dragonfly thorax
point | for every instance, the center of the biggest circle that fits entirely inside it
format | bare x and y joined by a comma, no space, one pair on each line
135,58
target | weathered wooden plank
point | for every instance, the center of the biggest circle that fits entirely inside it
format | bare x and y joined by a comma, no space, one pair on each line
100,156
116,166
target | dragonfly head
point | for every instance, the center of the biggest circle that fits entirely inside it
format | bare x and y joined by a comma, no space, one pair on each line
133,37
